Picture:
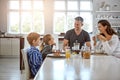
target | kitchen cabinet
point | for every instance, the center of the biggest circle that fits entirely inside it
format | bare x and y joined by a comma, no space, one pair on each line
9,46
15,45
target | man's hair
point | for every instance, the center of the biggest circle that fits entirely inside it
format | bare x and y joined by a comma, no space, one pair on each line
79,19
32,36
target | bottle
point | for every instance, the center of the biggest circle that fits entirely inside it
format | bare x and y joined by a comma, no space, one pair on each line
76,47
87,53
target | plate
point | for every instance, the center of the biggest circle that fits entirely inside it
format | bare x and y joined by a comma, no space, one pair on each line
99,53
53,56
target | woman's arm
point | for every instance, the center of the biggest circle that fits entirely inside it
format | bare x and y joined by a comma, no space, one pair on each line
109,47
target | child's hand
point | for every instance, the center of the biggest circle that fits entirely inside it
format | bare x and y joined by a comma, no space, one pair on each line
57,53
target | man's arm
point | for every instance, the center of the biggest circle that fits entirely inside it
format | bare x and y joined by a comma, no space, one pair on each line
65,43
88,44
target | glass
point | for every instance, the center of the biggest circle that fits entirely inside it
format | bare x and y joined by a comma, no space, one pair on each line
87,53
67,53
82,50
75,47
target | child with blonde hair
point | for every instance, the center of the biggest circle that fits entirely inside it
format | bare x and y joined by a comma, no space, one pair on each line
47,45
34,55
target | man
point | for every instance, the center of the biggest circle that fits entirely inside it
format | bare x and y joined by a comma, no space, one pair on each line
77,34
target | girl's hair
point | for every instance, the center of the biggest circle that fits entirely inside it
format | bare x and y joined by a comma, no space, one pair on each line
46,40
32,36
109,30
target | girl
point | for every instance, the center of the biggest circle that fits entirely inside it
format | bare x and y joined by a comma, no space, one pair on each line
47,45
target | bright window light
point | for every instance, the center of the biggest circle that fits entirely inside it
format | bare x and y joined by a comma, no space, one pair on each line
85,5
13,4
14,22
26,5
59,5
72,5
87,21
38,5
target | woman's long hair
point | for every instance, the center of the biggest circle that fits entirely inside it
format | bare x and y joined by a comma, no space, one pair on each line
109,29
46,40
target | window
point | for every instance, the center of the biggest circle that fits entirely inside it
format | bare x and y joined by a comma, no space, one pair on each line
65,14
25,16
47,16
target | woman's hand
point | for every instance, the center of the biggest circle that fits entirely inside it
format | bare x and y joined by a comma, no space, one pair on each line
101,37
94,40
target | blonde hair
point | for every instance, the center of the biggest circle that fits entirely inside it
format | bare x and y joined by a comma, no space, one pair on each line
32,36
46,40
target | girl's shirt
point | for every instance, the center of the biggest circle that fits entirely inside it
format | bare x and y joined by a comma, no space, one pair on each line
46,50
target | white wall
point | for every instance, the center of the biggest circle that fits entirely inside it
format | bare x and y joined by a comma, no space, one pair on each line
3,15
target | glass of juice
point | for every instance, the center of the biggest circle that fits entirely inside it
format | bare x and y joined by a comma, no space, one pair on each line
67,53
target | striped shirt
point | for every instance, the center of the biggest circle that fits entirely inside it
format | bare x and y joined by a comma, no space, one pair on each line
34,59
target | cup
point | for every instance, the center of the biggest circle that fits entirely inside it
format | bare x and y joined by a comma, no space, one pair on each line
82,50
87,53
67,53
76,48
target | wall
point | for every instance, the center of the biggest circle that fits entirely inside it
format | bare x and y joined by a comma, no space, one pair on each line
3,15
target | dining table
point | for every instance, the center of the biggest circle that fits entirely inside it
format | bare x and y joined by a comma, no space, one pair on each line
98,67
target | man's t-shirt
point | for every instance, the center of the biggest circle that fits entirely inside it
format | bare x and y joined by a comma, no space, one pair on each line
71,36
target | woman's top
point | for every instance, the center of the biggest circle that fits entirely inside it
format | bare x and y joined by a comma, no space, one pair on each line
34,59
47,49
111,47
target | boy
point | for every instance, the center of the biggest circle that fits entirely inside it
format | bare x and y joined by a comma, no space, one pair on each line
34,55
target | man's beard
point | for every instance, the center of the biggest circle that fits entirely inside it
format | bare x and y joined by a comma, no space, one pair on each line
77,29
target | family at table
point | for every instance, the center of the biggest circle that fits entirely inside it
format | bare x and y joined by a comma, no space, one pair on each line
106,40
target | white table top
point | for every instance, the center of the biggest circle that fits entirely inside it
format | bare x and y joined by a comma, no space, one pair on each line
95,68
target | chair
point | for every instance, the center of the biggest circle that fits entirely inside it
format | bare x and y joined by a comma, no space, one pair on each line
25,60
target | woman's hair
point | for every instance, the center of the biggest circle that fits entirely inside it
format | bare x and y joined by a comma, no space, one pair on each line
46,40
109,30
32,36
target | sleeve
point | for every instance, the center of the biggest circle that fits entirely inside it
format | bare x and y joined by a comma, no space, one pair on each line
67,35
87,37
47,50
110,47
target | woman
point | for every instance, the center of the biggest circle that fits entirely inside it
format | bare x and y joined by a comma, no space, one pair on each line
47,45
108,38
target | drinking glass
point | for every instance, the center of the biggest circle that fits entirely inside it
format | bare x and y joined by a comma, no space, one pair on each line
67,53
87,53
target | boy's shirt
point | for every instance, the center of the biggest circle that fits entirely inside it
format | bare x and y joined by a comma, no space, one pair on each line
34,59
